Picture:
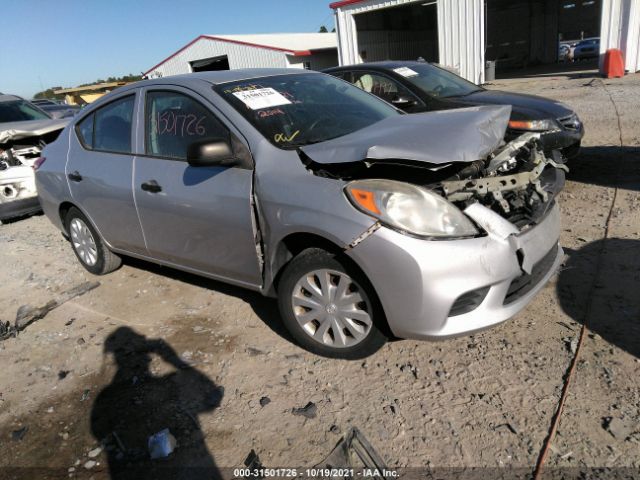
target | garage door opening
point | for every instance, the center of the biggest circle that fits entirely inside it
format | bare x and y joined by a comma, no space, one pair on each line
212,64
526,33
401,33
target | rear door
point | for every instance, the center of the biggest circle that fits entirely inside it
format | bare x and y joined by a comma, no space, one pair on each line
195,217
99,171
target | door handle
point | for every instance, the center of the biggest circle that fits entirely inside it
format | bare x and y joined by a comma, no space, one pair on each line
151,186
75,176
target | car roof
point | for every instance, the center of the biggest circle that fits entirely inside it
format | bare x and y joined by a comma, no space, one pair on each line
382,65
221,76
195,79
9,98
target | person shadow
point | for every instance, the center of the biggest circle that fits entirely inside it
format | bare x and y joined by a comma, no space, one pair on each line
138,404
611,306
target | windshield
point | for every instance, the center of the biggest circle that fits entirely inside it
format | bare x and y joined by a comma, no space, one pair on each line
295,110
437,81
20,111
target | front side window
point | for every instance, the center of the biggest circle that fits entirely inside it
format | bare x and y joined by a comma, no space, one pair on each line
20,111
380,85
112,126
301,109
175,121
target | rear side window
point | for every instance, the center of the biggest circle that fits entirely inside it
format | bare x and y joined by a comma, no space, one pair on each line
85,131
112,126
174,121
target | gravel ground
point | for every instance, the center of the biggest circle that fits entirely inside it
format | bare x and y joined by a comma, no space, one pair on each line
225,377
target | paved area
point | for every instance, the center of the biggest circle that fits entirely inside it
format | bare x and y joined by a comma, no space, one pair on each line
152,348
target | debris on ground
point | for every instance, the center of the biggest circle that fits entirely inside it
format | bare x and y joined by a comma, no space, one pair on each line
308,411
354,451
161,444
18,434
571,343
264,401
620,428
95,452
27,314
85,394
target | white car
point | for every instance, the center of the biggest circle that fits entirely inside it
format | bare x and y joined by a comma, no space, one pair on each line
24,130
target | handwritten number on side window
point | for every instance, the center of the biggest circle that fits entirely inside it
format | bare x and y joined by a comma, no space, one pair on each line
170,123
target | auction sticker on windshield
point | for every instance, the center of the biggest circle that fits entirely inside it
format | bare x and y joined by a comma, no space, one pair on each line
261,98
406,72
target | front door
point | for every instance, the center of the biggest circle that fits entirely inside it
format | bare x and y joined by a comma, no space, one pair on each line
194,217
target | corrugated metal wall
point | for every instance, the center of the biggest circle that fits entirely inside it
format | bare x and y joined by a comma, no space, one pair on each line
240,56
460,33
620,28
461,37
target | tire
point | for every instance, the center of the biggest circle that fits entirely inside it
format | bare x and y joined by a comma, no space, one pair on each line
309,293
90,249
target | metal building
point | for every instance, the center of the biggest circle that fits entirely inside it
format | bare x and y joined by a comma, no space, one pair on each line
313,51
464,34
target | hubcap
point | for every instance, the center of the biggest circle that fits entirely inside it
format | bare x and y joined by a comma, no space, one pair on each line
332,308
83,242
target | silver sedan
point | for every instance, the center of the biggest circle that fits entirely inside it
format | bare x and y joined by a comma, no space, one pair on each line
364,222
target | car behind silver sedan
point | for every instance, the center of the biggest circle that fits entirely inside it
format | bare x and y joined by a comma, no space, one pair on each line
366,223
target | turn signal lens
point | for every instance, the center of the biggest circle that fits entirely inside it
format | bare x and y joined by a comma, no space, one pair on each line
532,125
365,199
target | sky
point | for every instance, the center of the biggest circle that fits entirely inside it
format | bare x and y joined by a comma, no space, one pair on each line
52,43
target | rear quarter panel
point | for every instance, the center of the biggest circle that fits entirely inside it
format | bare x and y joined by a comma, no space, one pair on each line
51,182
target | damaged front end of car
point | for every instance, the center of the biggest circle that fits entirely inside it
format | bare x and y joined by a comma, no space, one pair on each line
20,154
21,145
463,159
518,182
472,226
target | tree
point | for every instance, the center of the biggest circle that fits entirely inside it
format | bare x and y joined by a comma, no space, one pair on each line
48,93
323,29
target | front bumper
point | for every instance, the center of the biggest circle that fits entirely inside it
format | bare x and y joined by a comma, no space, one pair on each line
419,281
568,141
19,207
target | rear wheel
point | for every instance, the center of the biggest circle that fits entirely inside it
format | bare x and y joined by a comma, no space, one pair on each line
90,249
329,307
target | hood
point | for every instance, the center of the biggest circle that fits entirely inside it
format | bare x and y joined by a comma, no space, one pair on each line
12,131
525,107
442,137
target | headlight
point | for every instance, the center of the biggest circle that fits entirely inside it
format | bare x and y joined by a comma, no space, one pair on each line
409,208
533,125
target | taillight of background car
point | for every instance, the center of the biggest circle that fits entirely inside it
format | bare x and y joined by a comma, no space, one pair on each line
39,161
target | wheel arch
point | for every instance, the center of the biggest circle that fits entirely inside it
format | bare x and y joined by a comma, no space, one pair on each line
63,210
294,243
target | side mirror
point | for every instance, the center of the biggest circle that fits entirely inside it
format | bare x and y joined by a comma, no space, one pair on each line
213,152
403,101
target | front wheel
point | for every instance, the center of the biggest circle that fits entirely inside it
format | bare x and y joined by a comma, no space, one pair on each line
92,252
329,307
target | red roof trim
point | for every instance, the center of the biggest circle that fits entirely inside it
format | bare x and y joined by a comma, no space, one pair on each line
297,53
343,3
278,49
174,54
